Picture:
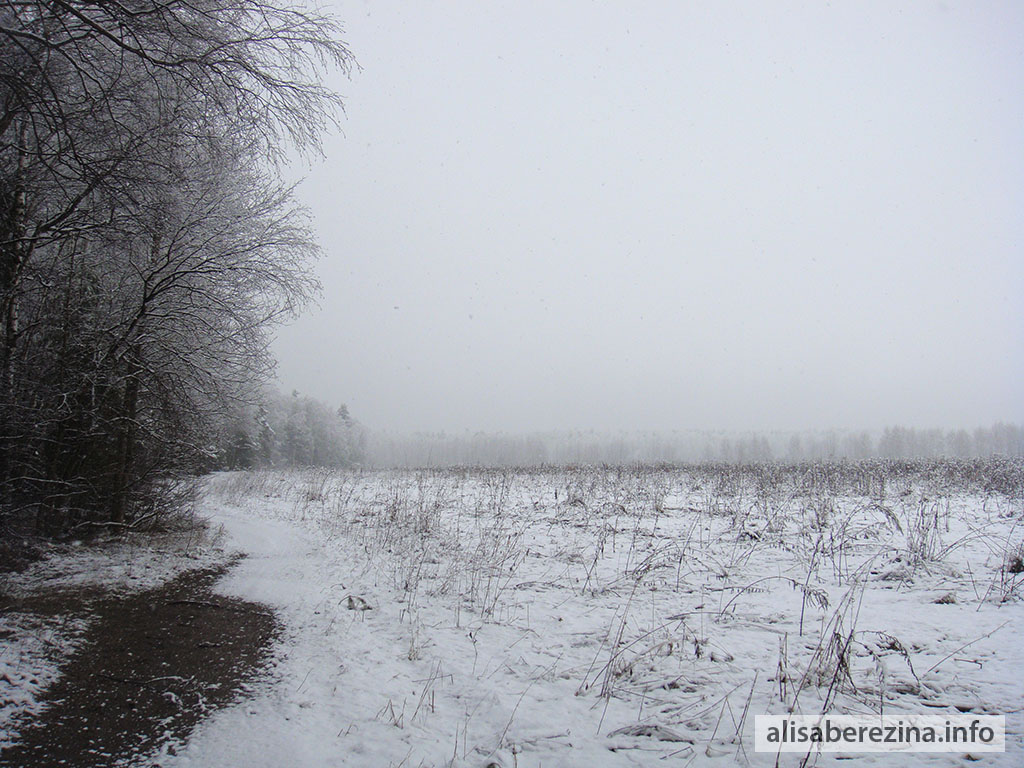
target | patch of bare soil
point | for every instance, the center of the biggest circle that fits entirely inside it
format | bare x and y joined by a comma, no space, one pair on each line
151,666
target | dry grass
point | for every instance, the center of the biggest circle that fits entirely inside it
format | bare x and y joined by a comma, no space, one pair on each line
682,598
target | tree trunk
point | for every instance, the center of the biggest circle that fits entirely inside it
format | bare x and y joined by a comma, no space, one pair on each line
12,261
126,442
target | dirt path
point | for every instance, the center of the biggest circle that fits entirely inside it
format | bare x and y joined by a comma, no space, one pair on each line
152,665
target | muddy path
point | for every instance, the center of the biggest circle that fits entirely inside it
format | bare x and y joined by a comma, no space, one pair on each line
150,667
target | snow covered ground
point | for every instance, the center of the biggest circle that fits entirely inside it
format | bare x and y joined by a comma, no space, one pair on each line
610,617
57,590
31,649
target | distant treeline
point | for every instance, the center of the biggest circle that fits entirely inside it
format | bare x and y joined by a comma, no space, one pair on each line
290,431
489,449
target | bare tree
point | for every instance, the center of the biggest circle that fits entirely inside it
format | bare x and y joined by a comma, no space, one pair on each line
145,247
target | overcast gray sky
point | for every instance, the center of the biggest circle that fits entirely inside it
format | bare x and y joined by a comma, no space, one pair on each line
671,215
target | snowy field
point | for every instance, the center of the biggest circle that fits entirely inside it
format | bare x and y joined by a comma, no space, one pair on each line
615,617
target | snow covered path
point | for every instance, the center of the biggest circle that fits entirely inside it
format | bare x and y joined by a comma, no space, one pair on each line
436,620
296,720
354,683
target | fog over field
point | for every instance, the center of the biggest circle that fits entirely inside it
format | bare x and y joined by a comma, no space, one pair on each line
495,385
670,216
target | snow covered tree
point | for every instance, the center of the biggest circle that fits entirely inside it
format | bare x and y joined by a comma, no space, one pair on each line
293,431
145,248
